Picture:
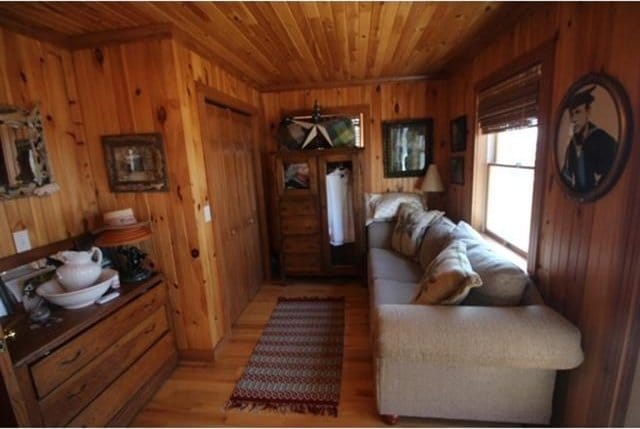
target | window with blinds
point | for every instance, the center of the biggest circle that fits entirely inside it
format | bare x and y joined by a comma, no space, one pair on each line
510,104
507,118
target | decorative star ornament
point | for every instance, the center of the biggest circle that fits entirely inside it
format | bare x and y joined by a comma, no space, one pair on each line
315,128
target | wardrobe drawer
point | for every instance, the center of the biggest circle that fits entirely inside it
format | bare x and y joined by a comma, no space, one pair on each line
300,225
298,207
67,360
79,390
303,263
302,244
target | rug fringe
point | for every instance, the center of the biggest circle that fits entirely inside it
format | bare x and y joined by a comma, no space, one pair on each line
311,298
320,410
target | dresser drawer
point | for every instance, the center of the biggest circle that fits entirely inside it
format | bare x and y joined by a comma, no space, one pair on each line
161,357
302,244
298,207
303,263
65,361
300,225
74,394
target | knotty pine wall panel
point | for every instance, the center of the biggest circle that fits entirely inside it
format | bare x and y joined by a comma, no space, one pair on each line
146,86
385,102
191,69
587,253
36,72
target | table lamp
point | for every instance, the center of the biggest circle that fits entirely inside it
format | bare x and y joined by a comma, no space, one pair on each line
432,181
120,231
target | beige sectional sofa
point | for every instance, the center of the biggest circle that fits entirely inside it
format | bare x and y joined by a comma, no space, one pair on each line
492,358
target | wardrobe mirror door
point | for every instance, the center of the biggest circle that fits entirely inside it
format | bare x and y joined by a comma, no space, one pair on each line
338,178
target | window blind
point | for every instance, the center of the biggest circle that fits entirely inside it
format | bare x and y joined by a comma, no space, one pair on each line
512,103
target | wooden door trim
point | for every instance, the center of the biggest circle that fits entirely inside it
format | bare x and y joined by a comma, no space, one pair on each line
223,99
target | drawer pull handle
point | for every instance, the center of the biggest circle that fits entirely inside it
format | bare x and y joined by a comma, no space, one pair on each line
73,359
150,328
79,391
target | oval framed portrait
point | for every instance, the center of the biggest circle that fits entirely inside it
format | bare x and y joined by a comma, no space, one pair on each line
593,135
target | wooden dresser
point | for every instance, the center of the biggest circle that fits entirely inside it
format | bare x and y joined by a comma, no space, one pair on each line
96,366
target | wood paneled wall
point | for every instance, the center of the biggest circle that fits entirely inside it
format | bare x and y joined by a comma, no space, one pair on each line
587,253
36,72
149,86
386,102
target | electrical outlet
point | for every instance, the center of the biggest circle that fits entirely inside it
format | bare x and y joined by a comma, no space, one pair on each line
21,240
207,213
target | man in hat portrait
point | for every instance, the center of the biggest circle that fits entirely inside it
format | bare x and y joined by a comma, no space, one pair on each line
591,150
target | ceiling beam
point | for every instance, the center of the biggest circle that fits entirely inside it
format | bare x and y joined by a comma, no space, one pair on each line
101,38
27,29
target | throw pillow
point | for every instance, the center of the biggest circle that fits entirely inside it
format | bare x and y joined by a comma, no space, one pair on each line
384,207
465,232
435,239
449,278
410,226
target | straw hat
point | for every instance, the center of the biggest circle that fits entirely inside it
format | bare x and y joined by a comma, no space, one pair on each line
120,227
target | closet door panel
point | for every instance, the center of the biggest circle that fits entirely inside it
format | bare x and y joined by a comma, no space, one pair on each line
216,142
231,182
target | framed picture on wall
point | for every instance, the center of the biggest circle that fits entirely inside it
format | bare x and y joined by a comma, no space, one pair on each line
407,147
456,170
135,162
459,134
593,135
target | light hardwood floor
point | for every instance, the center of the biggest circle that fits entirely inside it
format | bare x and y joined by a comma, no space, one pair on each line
195,395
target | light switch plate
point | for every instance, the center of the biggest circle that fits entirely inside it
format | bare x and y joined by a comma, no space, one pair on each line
21,240
207,213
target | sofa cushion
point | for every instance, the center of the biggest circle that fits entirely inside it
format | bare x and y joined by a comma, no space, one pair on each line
504,282
411,224
465,232
435,239
385,291
384,207
449,277
387,264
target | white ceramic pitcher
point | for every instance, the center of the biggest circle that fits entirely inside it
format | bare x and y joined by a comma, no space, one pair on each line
80,269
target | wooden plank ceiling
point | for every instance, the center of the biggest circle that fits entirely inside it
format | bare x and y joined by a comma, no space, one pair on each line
272,44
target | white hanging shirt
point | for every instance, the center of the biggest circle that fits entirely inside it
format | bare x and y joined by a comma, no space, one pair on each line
340,207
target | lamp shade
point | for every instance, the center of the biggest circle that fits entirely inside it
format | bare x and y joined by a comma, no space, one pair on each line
432,181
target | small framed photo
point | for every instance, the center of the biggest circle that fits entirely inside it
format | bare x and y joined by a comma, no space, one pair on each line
135,162
593,136
456,170
459,134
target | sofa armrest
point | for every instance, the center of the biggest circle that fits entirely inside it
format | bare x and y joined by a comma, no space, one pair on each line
379,234
517,337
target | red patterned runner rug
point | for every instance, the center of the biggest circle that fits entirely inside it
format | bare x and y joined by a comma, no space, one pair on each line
297,363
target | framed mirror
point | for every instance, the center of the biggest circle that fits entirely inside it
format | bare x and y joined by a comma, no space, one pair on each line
24,164
408,147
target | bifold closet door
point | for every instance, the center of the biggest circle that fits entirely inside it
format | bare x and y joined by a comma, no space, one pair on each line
231,183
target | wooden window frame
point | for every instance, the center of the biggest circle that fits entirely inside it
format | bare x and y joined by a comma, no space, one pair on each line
543,55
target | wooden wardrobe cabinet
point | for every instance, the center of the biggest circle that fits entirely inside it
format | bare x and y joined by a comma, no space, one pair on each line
302,218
